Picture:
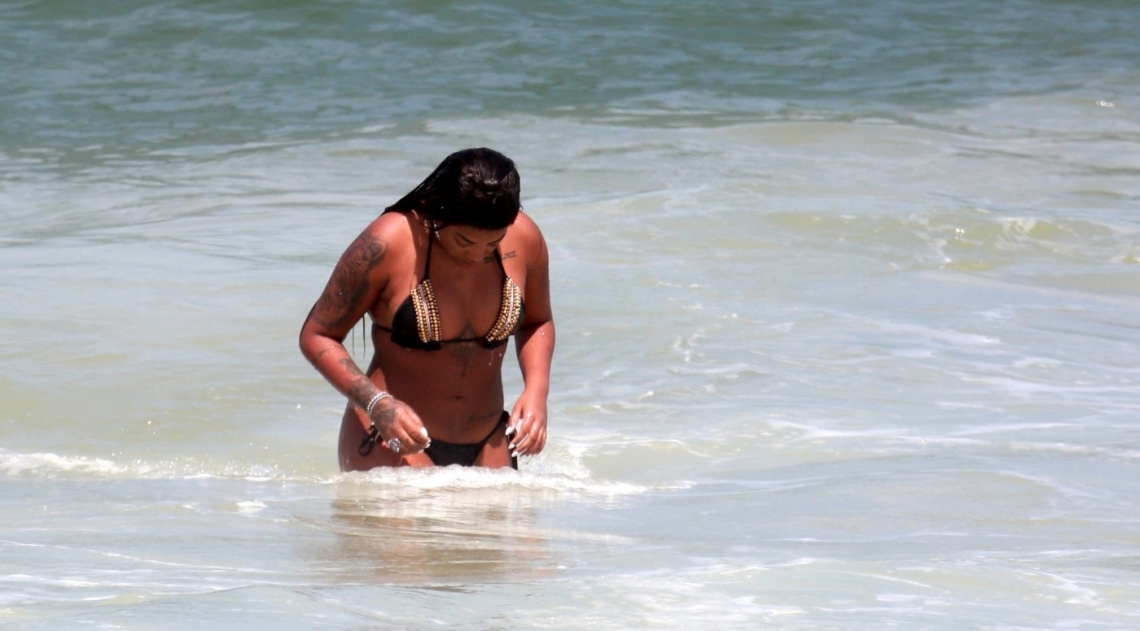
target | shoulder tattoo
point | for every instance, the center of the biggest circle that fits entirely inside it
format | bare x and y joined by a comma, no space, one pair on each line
349,284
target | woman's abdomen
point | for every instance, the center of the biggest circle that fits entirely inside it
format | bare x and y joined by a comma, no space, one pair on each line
457,392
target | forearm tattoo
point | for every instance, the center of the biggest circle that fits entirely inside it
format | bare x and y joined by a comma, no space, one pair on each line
384,414
351,367
362,389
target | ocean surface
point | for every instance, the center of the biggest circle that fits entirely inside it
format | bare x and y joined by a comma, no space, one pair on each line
847,297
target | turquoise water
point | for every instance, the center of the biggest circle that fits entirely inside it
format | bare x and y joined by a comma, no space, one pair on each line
846,296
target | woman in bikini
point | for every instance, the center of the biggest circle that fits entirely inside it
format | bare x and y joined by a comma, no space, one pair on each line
447,274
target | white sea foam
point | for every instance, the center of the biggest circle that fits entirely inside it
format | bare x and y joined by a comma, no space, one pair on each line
419,481
49,464
1001,428
1084,450
538,476
251,506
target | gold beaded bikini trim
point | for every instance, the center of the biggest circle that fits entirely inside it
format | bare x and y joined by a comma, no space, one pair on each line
427,313
508,312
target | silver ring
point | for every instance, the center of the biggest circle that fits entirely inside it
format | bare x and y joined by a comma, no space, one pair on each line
394,444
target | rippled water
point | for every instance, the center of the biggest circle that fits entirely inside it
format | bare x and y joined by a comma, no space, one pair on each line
846,297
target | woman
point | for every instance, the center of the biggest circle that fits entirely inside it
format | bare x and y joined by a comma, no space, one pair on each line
447,274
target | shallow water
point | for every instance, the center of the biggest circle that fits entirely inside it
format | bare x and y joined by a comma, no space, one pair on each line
846,298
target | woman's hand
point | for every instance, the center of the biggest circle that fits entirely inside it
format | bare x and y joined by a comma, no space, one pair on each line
396,420
527,427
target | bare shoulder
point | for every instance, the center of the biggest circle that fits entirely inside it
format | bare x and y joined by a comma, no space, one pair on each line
393,229
361,275
387,237
526,238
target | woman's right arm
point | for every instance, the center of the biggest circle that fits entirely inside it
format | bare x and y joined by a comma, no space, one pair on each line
356,284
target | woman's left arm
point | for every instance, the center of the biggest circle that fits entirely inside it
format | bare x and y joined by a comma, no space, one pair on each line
534,345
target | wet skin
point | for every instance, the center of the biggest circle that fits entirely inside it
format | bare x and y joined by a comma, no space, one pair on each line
456,393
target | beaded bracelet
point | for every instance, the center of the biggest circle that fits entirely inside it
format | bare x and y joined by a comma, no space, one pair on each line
376,399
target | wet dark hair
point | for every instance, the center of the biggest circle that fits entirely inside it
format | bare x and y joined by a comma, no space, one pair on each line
473,187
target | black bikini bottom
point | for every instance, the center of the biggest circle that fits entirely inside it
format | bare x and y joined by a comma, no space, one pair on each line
445,453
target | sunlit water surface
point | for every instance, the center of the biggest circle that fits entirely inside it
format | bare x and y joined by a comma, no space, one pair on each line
846,297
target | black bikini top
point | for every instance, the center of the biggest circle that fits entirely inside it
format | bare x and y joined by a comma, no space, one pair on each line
417,325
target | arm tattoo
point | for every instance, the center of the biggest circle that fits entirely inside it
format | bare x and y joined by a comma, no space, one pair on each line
349,284
351,367
361,390
361,387
385,414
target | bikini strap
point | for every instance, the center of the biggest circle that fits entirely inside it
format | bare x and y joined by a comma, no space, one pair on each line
427,264
499,260
504,419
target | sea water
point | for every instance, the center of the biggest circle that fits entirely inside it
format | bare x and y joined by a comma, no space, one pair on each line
847,301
